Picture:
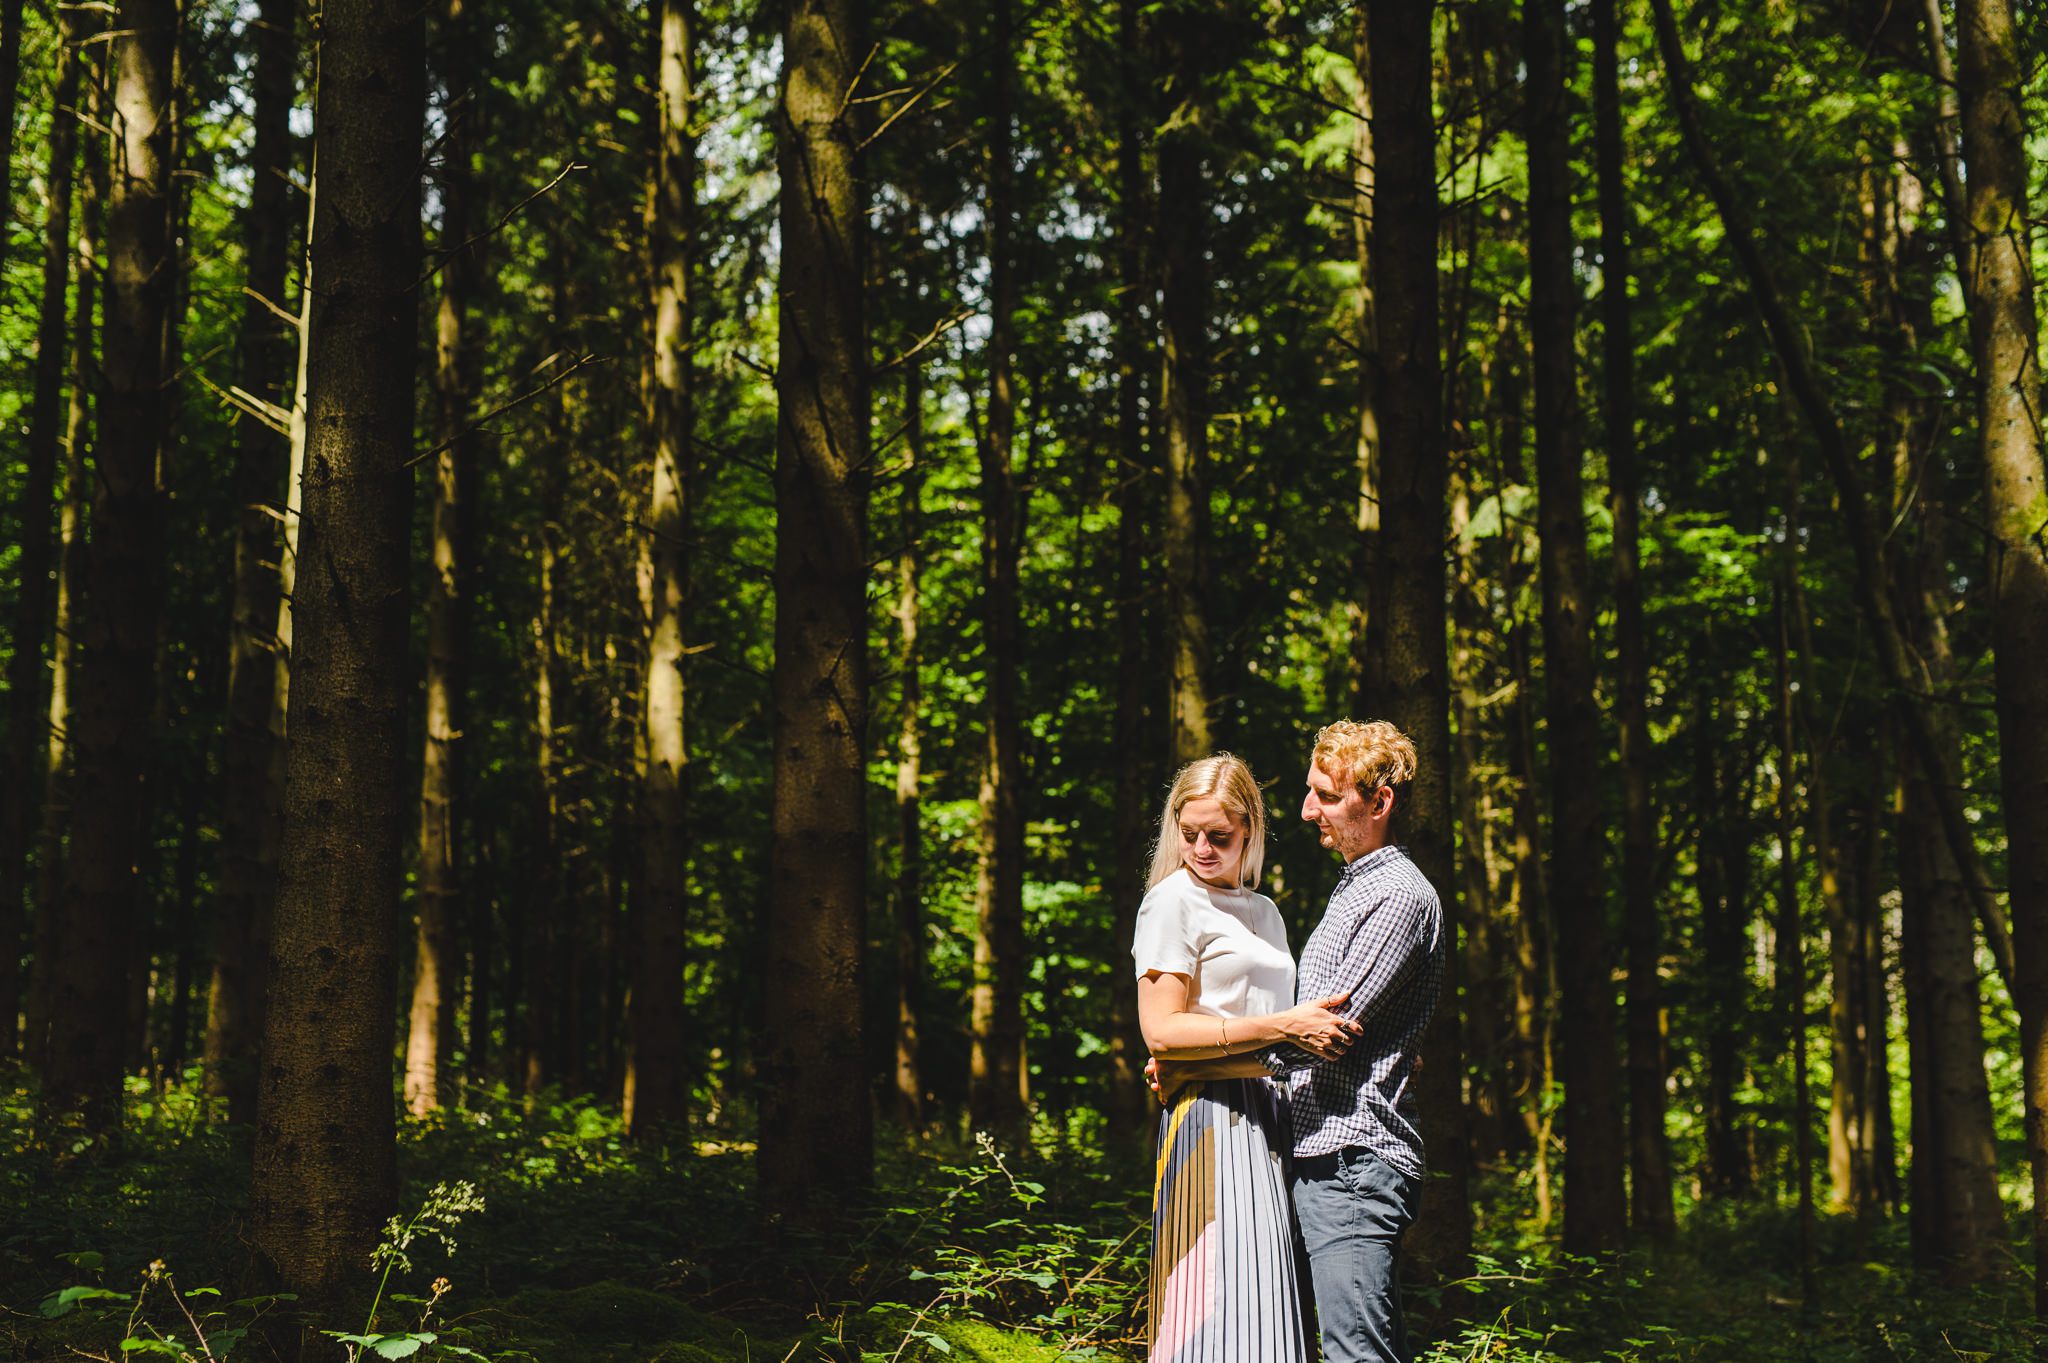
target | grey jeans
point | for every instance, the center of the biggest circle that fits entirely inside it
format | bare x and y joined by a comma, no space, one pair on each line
1353,1207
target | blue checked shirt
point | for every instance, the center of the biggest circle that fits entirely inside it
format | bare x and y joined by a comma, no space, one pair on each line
1381,938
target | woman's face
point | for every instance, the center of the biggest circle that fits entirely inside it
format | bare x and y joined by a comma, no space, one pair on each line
1212,842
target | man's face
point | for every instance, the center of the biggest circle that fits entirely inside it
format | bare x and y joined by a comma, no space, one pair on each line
1344,818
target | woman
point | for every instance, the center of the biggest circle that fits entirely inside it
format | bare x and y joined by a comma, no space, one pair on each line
1214,979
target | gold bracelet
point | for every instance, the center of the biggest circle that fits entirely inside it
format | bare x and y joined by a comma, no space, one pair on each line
1223,1026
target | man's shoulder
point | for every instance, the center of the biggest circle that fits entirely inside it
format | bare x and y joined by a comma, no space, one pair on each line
1398,881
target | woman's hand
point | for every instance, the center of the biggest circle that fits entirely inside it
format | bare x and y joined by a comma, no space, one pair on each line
1166,1078
1317,1028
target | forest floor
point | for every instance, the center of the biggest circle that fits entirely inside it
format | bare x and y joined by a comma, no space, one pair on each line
588,1247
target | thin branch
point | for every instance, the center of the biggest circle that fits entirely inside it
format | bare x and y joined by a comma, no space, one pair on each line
520,400
948,69
927,341
499,225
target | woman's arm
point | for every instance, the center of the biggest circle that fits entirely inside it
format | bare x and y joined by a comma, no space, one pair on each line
1173,1032
1168,1077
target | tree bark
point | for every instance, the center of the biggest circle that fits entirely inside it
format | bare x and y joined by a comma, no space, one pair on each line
657,1082
122,581
909,917
2004,333
1726,1171
1649,1160
253,797
325,1169
1596,1207
1365,318
441,887
1790,932
1183,401
26,731
1408,680
71,513
1129,1105
997,1077
817,1133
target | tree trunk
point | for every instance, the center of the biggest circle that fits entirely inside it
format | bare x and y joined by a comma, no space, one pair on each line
438,901
1366,432
325,1169
252,798
1129,1104
2003,340
544,891
1649,1159
1184,402
1535,955
1791,936
909,918
1596,1207
1408,680
71,511
997,1077
817,1131
122,588
25,727
1726,1171
657,1081
1958,1221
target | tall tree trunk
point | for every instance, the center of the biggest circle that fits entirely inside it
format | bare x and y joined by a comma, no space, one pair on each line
1366,431
544,893
25,706
657,1082
252,799
1958,1219
1790,932
1726,1165
438,901
1129,1104
909,917
122,581
997,1078
71,512
1184,400
325,1171
1596,1207
1535,953
1649,1157
1408,680
2004,337
817,1129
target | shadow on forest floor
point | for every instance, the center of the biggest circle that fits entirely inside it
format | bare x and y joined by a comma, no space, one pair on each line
589,1247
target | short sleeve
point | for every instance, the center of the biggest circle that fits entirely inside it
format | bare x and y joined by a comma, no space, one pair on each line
1165,940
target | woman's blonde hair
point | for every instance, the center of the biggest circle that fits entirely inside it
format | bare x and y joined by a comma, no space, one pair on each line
1225,779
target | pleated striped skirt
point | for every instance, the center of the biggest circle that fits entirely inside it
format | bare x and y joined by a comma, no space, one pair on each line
1224,1282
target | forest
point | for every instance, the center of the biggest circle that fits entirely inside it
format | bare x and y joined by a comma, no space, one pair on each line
598,599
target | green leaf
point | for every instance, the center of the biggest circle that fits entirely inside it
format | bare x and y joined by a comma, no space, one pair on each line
204,1292
65,1302
400,1346
166,1347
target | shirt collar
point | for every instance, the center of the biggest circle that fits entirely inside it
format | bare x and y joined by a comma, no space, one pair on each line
1379,855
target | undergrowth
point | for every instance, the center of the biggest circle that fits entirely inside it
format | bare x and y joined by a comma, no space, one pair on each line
577,1244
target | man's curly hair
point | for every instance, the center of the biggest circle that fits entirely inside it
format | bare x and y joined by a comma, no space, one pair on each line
1368,755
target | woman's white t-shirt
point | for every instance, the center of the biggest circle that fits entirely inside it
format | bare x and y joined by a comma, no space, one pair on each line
1231,944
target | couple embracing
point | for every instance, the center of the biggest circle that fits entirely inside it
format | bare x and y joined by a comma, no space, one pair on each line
1288,1148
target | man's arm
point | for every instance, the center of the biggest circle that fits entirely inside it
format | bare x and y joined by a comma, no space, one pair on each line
1168,1077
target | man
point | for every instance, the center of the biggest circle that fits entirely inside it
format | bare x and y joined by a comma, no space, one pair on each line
1358,1160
